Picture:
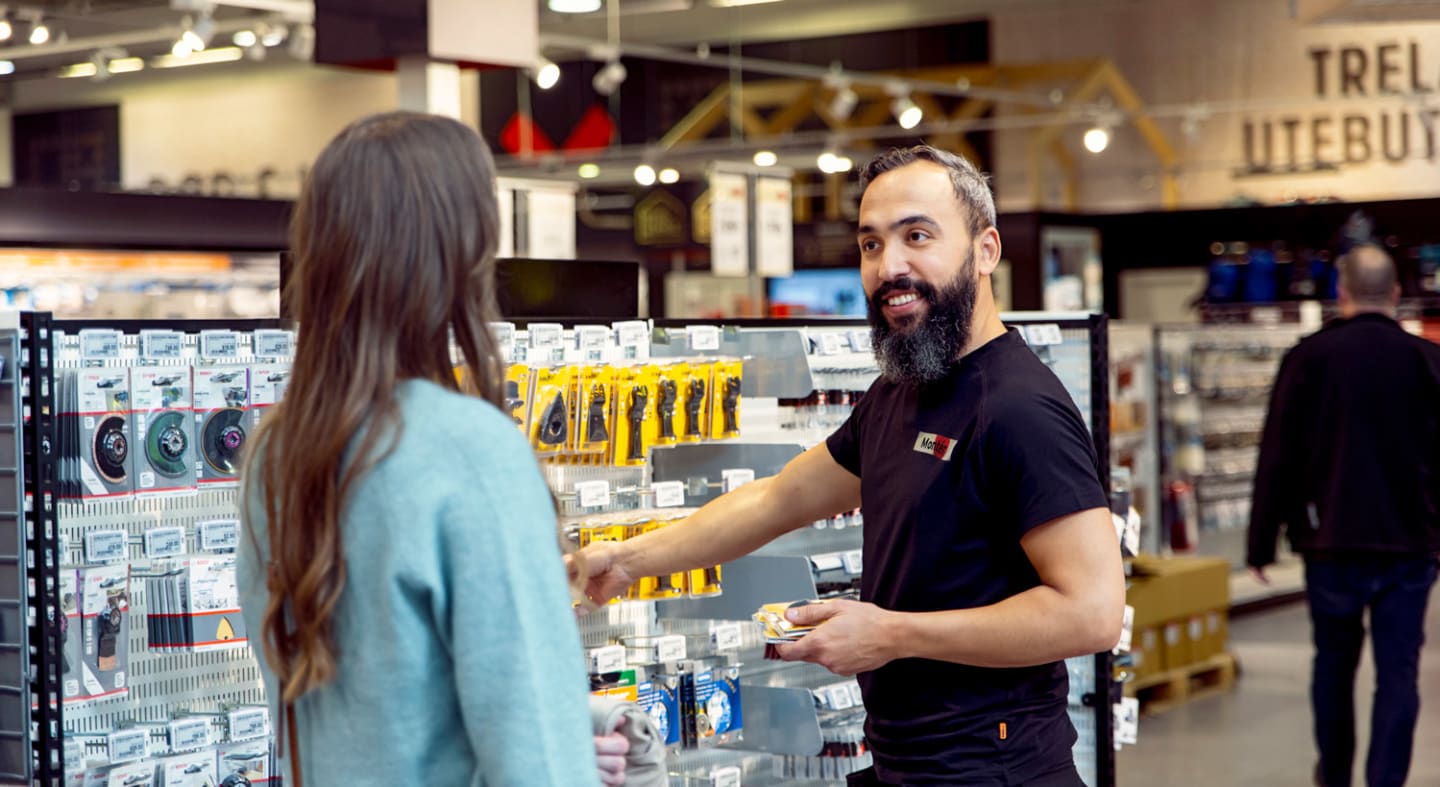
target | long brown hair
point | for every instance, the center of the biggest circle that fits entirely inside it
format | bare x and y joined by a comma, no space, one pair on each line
393,244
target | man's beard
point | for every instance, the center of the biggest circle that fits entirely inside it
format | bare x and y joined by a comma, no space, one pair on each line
922,349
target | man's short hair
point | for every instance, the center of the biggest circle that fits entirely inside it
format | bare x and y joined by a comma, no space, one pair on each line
972,187
1367,274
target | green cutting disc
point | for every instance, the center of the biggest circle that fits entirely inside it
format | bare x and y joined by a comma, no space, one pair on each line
166,444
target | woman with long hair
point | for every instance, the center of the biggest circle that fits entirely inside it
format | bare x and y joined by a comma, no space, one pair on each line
402,569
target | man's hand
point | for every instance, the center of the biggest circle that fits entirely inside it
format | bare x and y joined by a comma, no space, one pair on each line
606,578
1259,573
610,751
854,636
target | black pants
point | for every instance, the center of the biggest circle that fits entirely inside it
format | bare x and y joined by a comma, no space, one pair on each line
1395,590
1064,778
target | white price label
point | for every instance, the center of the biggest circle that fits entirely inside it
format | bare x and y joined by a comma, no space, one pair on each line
829,344
274,344
128,745
188,734
105,546
633,337
669,494
1127,631
544,335
729,776
504,333
1127,721
219,344
593,494
1044,334
163,542
160,345
860,341
725,636
219,535
840,698
856,695
703,337
589,338
610,658
854,562
832,561
670,648
249,723
735,478
99,344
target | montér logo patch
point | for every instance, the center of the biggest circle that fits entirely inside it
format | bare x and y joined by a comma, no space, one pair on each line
936,445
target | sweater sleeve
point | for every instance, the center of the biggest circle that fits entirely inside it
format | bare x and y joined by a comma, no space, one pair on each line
516,649
1275,497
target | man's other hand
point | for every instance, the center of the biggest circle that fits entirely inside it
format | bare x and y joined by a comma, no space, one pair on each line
852,636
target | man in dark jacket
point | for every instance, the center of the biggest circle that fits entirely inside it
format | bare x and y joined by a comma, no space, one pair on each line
1350,467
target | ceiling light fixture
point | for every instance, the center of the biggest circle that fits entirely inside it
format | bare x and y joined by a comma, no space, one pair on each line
273,35
669,175
127,65
197,35
907,114
7,67
574,6
245,39
547,74
766,158
588,171
78,70
1097,139
832,163
645,175
181,49
7,30
302,42
40,33
224,54
609,78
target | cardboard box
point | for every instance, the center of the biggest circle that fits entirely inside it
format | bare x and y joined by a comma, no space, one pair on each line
1146,654
1216,625
1171,589
1179,652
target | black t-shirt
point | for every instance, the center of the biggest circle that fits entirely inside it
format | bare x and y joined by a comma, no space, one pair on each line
953,474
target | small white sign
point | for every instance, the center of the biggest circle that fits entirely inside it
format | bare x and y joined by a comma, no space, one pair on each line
128,745
855,693
840,698
725,636
162,542
593,494
830,343
860,341
99,344
189,734
219,344
1043,335
1127,631
1127,721
592,341
855,562
703,337
633,336
610,658
249,723
669,494
504,333
161,345
106,546
734,478
670,648
219,535
729,224
547,342
274,344
729,776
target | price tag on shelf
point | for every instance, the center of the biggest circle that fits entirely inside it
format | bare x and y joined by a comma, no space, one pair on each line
99,344
840,698
1044,334
854,562
127,745
163,542
703,337
504,333
249,723
610,658
219,535
831,561
161,345
725,636
633,337
733,479
106,546
219,344
189,733
274,343
669,494
860,341
1127,631
830,343
592,342
855,694
670,648
593,494
729,776
1127,721
547,342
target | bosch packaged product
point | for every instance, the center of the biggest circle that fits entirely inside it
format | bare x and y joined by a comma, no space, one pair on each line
250,760
212,605
222,399
196,769
107,463
72,655
164,429
132,774
725,399
666,586
267,388
105,612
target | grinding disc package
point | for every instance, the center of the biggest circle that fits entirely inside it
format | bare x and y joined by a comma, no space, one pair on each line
101,398
164,430
222,422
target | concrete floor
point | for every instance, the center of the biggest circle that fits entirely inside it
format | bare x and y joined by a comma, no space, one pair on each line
1259,734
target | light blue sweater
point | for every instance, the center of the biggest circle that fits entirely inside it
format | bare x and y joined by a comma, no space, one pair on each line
459,659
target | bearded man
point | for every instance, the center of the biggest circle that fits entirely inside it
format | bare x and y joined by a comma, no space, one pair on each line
989,552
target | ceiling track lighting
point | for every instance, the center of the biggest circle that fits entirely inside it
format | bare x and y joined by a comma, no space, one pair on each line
7,30
39,32
547,74
645,175
609,78
7,67
832,163
669,176
574,6
1097,139
766,158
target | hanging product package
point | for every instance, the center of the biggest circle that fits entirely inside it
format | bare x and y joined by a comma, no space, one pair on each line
213,605
267,388
250,759
72,653
196,769
725,399
105,611
222,398
107,463
551,425
164,430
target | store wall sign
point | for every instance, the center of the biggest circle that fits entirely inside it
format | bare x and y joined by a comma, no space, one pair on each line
265,183
1325,139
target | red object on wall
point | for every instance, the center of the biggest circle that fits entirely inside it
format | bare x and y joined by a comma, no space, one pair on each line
594,131
521,137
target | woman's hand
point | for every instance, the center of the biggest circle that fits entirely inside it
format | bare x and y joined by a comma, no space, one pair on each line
610,751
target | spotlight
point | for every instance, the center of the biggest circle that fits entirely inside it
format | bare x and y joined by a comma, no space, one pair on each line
274,35
181,48
302,43
574,6
197,35
907,114
40,33
832,163
547,75
645,175
7,67
7,30
78,70
669,175
766,158
127,65
1097,139
245,39
609,78
588,171
842,104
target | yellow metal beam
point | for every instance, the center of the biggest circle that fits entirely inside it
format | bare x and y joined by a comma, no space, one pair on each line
795,111
701,120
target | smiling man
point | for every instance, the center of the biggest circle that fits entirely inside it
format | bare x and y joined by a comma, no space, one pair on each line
988,550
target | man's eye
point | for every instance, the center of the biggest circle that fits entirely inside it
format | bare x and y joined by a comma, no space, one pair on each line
919,235
869,245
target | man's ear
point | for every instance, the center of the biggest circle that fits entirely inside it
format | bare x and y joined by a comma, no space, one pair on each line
987,251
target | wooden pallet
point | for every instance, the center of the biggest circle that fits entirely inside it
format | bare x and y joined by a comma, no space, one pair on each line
1165,690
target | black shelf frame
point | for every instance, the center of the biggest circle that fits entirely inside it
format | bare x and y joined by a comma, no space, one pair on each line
42,543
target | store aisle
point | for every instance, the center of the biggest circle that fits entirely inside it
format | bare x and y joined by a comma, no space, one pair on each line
1259,735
